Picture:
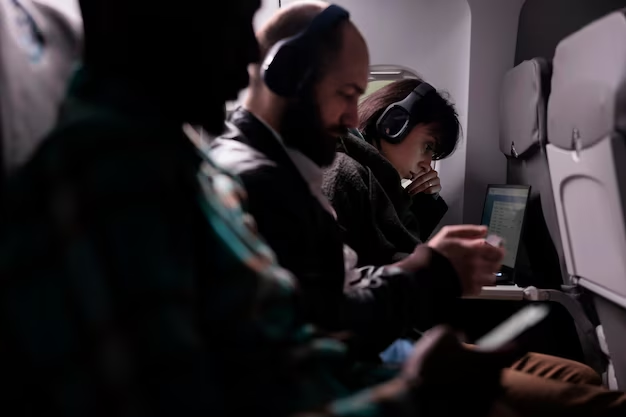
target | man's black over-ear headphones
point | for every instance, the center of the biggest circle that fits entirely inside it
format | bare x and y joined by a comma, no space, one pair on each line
395,122
290,62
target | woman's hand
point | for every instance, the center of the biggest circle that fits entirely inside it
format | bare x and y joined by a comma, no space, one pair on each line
427,182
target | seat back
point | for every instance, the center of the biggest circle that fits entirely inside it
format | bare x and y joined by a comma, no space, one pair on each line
39,45
523,139
587,157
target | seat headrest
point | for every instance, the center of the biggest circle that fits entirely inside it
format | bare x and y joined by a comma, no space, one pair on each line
588,99
523,107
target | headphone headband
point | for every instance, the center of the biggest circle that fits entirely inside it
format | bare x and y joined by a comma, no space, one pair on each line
325,21
289,63
423,89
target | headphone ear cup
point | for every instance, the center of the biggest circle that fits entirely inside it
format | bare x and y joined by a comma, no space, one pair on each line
284,68
380,130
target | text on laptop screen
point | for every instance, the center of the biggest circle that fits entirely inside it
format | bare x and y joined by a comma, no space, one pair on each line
504,214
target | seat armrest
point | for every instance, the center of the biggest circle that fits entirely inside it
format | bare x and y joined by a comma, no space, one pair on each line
586,332
500,292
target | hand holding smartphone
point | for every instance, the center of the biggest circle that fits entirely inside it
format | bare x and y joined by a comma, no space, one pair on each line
494,240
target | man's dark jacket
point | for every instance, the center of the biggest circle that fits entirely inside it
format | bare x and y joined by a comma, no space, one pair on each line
377,308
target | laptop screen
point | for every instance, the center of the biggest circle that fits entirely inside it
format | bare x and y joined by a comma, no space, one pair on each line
503,214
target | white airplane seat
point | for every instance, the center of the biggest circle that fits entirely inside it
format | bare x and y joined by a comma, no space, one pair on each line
540,275
587,158
40,43
523,138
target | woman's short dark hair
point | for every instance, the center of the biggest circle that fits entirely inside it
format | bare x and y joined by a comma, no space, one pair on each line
434,110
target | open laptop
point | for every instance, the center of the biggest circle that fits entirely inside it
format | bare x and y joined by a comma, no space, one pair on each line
503,213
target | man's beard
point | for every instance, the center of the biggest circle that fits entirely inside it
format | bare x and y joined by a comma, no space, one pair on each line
302,129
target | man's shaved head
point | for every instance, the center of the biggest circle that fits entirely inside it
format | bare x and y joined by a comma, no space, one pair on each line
295,18
326,106
287,22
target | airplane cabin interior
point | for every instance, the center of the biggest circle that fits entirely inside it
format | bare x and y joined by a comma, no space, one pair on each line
540,89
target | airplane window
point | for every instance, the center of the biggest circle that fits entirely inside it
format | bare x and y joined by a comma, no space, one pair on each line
381,75
375,85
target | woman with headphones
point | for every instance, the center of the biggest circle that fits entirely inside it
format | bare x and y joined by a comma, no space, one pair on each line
403,127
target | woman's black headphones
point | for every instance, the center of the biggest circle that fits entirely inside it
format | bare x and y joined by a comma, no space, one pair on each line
395,122
290,63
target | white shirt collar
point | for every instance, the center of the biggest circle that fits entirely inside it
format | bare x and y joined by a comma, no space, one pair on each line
313,175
